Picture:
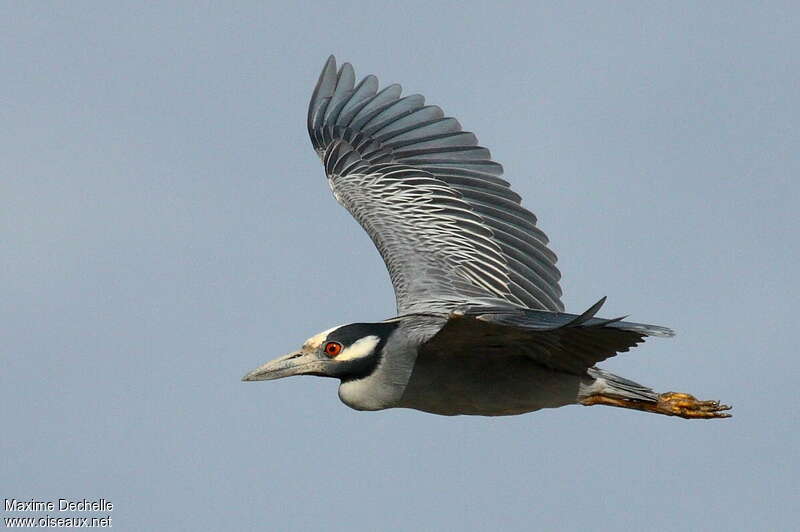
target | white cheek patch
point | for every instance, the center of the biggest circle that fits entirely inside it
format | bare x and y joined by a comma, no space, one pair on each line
360,348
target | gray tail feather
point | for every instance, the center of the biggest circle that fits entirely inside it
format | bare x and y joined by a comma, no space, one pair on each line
622,387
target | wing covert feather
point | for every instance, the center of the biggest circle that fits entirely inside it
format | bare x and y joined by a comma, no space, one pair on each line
568,343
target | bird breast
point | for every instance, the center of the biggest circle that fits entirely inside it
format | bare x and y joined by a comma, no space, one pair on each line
486,384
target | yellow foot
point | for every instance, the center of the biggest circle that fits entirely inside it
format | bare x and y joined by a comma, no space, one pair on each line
689,407
669,404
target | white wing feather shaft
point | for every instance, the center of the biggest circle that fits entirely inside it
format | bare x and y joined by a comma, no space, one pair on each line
439,253
450,230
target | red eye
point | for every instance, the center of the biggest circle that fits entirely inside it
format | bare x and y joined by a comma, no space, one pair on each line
333,348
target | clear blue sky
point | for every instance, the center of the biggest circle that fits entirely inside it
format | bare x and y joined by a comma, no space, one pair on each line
165,227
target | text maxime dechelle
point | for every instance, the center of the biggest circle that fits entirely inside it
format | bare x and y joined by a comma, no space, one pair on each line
61,505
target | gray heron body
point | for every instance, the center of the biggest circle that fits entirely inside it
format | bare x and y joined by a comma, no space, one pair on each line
480,327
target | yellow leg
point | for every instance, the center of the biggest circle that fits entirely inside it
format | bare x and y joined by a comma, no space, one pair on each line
669,404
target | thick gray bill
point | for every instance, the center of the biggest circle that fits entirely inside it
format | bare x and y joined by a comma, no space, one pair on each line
296,363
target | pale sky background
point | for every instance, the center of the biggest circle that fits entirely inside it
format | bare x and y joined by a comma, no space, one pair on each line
165,227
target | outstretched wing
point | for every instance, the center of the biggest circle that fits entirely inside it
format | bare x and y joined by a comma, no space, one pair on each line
562,342
450,230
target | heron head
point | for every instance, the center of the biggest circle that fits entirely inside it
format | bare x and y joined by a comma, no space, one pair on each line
344,352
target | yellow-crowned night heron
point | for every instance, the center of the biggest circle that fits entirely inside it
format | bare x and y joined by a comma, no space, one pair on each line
480,327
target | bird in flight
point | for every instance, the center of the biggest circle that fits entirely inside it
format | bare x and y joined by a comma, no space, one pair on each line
480,326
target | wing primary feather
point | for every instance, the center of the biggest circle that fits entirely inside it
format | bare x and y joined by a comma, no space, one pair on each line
341,93
588,314
429,114
393,112
378,103
326,84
